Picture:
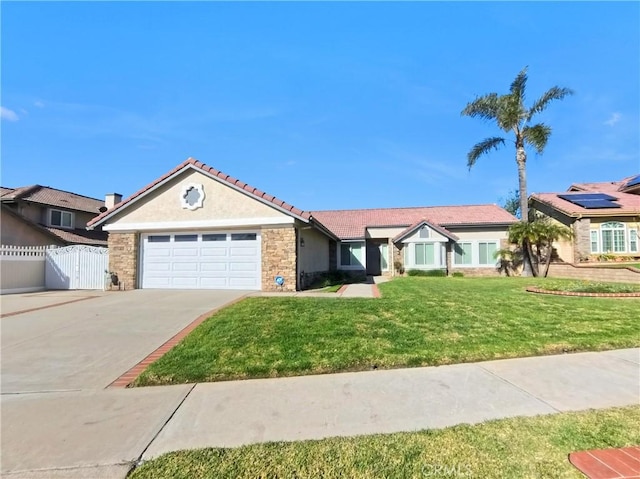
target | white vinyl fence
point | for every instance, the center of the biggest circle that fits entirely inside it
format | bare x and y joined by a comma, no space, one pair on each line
22,269
26,269
76,267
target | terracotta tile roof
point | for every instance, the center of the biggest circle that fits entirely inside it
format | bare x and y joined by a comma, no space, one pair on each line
602,187
48,196
80,236
630,204
351,224
213,172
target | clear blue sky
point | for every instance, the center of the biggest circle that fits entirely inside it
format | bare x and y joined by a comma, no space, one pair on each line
325,105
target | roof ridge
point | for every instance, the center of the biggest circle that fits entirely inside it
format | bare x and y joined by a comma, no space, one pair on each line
220,175
403,208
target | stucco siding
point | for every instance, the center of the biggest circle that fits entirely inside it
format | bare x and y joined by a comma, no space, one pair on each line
384,232
433,235
480,234
221,202
16,232
314,255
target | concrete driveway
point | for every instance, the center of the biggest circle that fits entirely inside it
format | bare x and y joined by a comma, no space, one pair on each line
56,362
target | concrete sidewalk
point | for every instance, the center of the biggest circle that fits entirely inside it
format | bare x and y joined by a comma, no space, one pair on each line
230,414
100,433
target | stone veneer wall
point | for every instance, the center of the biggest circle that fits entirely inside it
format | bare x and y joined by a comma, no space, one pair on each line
473,272
279,258
123,257
581,239
397,256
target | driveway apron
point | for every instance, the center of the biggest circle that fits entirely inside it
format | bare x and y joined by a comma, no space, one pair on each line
57,418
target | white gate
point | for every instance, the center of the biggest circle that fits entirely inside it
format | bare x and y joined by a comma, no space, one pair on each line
76,267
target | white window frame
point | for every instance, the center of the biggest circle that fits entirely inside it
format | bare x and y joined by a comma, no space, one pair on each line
475,253
492,262
633,240
439,254
62,214
594,238
613,227
363,250
385,255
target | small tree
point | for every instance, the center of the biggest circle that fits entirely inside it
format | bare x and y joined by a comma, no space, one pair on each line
541,234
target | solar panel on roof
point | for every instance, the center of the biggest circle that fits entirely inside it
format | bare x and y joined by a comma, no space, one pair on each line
591,201
587,197
592,205
633,181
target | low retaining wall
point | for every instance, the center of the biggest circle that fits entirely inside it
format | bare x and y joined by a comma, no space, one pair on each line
593,273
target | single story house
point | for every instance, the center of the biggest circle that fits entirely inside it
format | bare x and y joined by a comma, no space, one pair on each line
196,227
40,215
604,218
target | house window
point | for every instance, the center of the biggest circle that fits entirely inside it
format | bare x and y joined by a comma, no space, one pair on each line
185,238
463,254
613,237
486,250
594,241
243,237
64,219
384,257
424,254
633,241
351,254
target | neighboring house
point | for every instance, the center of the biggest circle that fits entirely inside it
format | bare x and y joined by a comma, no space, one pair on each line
196,227
604,218
39,215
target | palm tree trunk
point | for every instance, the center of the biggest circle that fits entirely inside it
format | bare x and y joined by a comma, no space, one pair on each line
521,160
548,261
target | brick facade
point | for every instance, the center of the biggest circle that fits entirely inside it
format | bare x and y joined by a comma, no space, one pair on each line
123,257
279,258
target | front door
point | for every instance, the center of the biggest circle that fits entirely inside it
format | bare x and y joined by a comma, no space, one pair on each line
373,259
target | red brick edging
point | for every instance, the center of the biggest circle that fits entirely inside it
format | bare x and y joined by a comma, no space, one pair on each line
532,289
619,463
128,377
342,289
376,291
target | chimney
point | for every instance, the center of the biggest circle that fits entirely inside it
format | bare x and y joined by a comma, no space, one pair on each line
112,199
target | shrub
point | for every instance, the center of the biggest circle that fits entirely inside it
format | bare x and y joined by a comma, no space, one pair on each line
428,272
458,274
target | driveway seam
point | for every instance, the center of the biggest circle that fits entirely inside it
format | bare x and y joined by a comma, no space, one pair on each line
138,461
14,313
520,388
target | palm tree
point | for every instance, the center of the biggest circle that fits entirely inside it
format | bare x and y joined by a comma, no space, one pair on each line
511,115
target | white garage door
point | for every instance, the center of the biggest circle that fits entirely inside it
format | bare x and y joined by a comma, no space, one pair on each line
216,260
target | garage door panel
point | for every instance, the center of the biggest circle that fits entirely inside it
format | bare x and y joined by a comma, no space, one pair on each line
201,261
159,252
213,267
218,251
244,251
236,266
185,267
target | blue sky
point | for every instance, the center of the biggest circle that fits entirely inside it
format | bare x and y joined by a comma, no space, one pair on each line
325,105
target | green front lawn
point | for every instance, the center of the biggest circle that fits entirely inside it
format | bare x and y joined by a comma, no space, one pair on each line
535,447
417,322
